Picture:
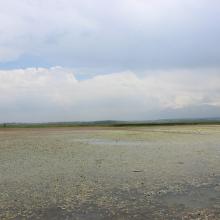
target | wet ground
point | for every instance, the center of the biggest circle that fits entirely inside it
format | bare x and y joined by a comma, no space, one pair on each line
161,172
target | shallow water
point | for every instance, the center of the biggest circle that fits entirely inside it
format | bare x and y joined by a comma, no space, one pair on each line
207,196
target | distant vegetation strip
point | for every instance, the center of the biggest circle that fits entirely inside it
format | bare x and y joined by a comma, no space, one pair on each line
167,122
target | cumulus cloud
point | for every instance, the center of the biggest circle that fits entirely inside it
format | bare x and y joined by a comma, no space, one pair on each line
171,49
55,94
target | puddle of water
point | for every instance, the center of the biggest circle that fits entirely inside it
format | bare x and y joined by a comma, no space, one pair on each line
83,213
109,142
195,197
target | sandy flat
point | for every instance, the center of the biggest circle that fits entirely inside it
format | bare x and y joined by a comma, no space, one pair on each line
160,172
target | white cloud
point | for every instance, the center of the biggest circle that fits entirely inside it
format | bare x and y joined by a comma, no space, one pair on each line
118,33
56,95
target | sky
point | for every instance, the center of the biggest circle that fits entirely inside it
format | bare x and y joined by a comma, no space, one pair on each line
69,60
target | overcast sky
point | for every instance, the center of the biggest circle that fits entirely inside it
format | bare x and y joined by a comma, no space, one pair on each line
69,60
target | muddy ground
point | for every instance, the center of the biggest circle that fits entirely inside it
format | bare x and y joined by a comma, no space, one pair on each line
161,172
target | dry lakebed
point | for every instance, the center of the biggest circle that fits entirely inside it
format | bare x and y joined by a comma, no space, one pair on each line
94,173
